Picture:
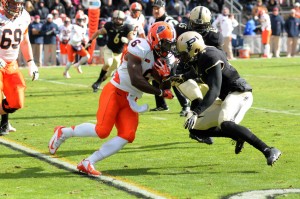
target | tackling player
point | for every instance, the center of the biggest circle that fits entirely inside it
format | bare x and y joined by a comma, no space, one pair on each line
224,82
200,21
118,34
74,46
14,22
117,103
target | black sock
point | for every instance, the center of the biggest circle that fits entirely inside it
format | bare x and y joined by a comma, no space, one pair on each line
245,134
213,132
4,120
101,76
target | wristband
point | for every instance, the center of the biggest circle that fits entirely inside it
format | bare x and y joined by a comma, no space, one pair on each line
29,60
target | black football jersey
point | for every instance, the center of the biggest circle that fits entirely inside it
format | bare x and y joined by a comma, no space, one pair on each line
210,58
210,38
114,35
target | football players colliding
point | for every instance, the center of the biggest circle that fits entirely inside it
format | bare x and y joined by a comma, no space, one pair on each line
118,100
14,20
228,98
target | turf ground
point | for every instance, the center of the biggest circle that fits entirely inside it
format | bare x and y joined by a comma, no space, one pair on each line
162,160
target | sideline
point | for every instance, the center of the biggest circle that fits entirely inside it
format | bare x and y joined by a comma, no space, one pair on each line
135,190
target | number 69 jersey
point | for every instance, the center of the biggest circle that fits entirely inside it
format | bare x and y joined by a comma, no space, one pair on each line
138,47
12,34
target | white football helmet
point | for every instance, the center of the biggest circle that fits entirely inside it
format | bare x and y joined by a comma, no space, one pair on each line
200,19
189,44
12,8
118,18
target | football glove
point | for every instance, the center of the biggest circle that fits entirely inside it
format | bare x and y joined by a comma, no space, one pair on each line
124,40
177,79
190,122
162,68
167,94
33,70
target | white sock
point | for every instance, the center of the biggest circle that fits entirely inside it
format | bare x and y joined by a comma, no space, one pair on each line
81,130
83,60
108,148
68,65
267,49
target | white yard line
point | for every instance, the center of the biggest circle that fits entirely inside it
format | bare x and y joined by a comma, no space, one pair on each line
125,186
159,118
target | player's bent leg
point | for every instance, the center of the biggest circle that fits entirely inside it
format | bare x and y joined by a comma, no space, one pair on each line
108,148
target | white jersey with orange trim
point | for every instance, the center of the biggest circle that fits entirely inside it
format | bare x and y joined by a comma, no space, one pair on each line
65,32
77,35
138,47
265,21
136,23
12,34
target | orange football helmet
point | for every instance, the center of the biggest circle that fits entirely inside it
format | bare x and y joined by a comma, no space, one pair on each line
79,18
136,9
12,8
162,36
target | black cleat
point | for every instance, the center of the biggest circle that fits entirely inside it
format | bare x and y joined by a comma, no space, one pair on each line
160,109
95,87
184,111
272,154
4,130
202,139
239,145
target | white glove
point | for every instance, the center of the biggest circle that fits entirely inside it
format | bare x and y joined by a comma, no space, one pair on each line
191,120
33,70
124,40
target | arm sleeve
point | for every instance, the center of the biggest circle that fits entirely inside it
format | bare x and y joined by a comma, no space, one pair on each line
214,82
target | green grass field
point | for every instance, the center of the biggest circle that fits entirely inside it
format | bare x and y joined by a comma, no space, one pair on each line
163,159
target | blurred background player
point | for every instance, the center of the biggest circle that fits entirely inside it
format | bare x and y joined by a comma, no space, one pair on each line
266,31
117,102
136,19
118,34
64,37
15,20
75,45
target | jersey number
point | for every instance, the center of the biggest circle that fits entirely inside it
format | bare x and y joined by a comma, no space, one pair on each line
7,40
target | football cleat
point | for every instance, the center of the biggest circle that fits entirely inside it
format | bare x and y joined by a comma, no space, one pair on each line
272,154
202,139
239,145
4,130
86,167
95,87
78,67
57,139
184,111
67,75
11,128
160,109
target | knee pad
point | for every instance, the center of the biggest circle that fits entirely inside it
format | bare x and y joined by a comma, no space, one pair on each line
102,132
190,89
6,107
227,125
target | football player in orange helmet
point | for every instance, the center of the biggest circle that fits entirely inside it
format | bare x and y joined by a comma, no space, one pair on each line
136,19
117,102
14,36
75,45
